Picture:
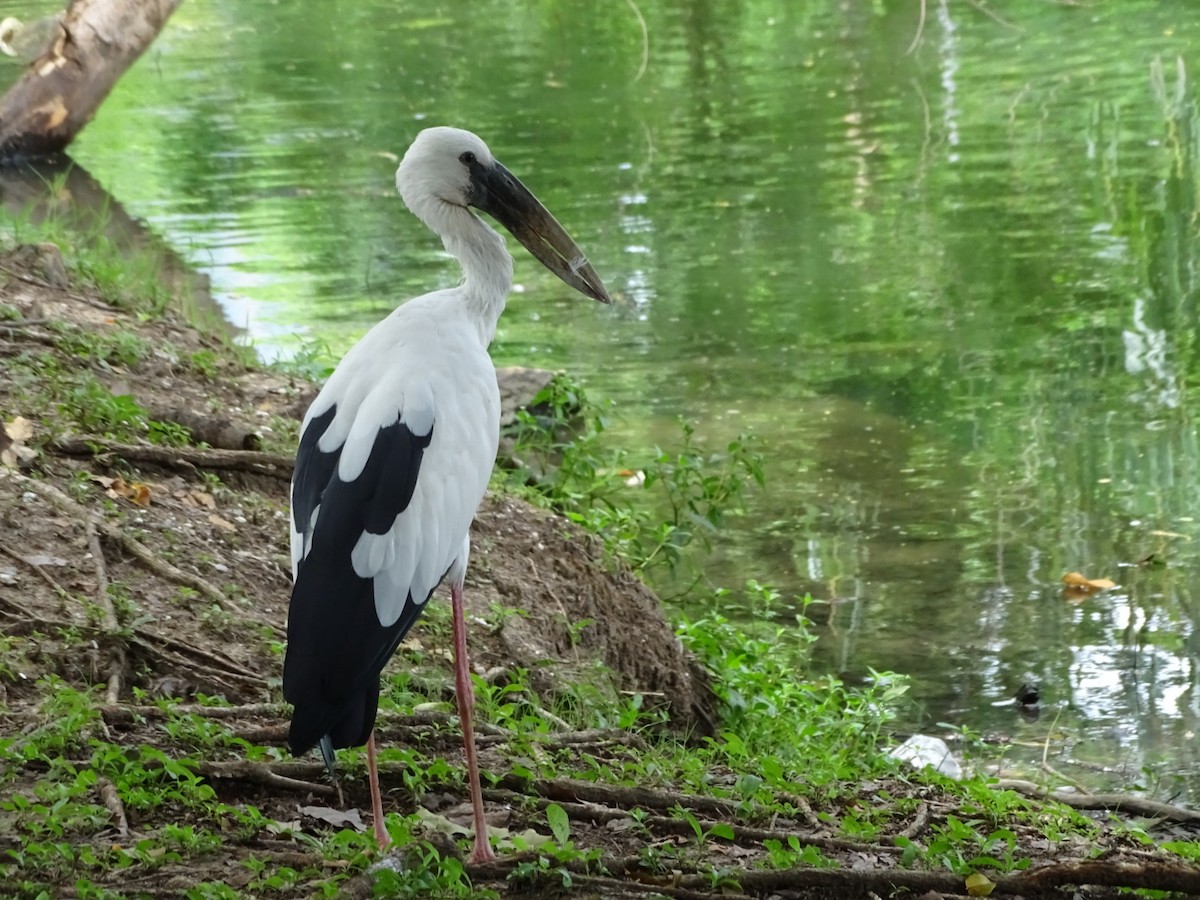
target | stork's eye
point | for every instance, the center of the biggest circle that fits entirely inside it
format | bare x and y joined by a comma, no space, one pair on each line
467,159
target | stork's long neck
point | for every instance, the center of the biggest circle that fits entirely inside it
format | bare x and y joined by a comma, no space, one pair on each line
486,264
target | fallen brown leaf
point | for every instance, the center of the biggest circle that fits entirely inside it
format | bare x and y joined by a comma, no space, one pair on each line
338,818
13,436
134,491
223,524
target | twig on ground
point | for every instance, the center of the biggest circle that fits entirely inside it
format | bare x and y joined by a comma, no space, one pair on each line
112,802
131,545
627,877
260,462
70,295
607,886
1156,876
558,722
593,737
297,859
276,733
846,882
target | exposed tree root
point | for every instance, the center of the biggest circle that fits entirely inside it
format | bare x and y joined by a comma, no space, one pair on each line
128,715
40,570
221,670
1109,801
112,802
742,834
688,883
257,773
117,654
26,331
624,796
919,823
277,465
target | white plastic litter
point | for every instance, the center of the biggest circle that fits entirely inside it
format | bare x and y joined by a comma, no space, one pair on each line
922,750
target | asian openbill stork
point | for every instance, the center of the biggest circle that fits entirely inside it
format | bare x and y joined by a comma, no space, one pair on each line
395,454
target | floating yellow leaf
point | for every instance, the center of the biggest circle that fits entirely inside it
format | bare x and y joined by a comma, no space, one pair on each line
1074,582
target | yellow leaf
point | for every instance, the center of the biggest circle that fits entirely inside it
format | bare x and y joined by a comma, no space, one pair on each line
1074,582
979,885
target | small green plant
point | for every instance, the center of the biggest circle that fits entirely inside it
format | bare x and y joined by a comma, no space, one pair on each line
169,434
96,409
205,362
117,347
795,854
560,456
770,710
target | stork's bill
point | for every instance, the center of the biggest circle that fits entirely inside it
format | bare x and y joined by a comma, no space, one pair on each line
499,193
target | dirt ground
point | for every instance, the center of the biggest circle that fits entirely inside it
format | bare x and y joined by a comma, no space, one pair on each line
142,572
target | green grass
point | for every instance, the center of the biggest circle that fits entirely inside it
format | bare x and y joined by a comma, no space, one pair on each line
128,277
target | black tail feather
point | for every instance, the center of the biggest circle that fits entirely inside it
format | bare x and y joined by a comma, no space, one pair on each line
334,727
326,745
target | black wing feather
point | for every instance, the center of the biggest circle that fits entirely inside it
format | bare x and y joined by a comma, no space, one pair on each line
336,645
313,471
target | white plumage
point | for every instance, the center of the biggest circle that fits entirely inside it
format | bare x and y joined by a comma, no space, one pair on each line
424,365
396,452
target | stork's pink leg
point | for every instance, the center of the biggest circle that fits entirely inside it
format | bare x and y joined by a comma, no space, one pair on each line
381,835
465,695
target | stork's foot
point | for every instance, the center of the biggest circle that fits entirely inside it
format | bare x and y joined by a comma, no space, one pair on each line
482,852
381,835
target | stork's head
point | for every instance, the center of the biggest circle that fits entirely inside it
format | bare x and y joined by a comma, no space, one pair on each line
455,167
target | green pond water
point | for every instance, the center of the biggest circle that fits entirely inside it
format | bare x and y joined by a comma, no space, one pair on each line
952,291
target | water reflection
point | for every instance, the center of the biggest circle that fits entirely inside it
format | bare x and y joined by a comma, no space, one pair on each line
953,292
